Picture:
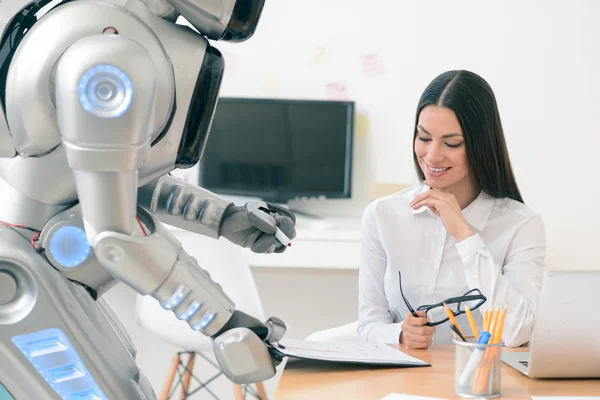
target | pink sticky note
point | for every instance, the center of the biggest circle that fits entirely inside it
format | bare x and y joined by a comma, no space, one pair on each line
372,65
337,91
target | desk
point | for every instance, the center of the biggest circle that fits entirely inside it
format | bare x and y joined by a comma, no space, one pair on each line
332,243
301,381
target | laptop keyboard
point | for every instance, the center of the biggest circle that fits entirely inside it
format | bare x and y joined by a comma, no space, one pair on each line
525,363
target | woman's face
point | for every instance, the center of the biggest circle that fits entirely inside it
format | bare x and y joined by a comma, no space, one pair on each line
440,148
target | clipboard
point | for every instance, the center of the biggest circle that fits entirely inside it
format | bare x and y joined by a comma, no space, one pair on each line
347,353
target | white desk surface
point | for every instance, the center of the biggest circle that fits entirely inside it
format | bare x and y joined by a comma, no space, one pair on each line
329,243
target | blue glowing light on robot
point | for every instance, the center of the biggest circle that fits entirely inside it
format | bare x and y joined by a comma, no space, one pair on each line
53,356
69,246
191,310
204,321
176,298
105,91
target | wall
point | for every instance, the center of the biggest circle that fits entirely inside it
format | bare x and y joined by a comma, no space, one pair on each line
541,57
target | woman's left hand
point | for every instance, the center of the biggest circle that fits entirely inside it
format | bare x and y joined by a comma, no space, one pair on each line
445,205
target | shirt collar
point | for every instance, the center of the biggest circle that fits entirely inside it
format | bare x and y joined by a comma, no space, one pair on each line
477,213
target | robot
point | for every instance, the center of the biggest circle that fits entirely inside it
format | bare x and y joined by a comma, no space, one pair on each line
100,101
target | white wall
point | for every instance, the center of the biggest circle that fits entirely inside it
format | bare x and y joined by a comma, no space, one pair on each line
542,58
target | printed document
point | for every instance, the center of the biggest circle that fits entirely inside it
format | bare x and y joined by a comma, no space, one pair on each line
348,352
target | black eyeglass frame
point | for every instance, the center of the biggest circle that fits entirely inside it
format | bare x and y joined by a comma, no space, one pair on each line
452,300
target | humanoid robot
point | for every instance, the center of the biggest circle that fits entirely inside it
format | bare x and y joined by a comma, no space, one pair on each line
100,101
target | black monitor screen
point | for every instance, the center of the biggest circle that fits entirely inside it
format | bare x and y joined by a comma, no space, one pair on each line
279,149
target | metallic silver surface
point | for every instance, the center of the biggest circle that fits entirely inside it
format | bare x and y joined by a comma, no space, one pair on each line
243,356
208,16
168,268
33,124
97,100
8,287
90,273
47,299
184,205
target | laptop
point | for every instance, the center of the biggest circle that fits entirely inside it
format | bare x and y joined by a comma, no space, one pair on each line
566,335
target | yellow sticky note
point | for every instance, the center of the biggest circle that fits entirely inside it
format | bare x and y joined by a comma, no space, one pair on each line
321,55
361,125
270,85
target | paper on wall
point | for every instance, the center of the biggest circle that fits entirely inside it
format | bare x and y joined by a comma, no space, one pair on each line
362,125
372,65
270,84
337,91
321,55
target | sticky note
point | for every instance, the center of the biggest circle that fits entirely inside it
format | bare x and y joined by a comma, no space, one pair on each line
337,91
321,55
372,65
270,85
361,125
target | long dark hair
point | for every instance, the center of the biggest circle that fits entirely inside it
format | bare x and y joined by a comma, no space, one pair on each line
473,101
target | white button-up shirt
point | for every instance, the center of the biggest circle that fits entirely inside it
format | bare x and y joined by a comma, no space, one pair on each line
504,259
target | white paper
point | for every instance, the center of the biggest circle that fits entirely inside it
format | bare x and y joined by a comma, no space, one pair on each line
565,398
396,396
360,352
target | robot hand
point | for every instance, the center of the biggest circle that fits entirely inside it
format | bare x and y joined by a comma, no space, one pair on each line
255,226
196,209
244,350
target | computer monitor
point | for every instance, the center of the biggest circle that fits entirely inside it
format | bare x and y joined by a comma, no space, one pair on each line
279,149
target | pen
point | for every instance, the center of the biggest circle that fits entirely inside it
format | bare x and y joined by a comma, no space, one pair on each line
283,239
474,360
457,333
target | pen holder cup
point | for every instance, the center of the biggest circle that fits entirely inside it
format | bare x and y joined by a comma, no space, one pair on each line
477,369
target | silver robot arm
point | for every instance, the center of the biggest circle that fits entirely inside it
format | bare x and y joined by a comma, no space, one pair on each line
198,210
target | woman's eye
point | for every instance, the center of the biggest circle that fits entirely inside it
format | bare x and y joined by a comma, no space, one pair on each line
454,146
422,139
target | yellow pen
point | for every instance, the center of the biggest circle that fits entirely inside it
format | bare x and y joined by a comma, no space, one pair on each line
472,323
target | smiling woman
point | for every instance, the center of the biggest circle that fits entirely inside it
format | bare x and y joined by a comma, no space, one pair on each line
464,228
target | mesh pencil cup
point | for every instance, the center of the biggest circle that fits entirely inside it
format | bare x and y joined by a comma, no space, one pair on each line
477,369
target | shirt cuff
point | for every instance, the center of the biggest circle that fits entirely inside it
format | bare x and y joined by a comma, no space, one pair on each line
469,246
388,333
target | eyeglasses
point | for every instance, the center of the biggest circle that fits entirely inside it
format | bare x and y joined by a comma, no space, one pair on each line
473,299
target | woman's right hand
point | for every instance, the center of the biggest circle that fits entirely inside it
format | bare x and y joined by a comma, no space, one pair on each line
415,333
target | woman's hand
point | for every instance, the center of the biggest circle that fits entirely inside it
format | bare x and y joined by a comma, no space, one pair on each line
414,332
446,206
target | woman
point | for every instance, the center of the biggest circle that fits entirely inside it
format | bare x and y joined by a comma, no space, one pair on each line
464,227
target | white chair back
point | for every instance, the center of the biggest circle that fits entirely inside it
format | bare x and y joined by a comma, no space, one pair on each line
227,265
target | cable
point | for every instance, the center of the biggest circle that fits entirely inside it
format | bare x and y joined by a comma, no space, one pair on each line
141,225
34,239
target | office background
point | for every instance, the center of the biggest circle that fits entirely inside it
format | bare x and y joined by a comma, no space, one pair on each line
542,58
